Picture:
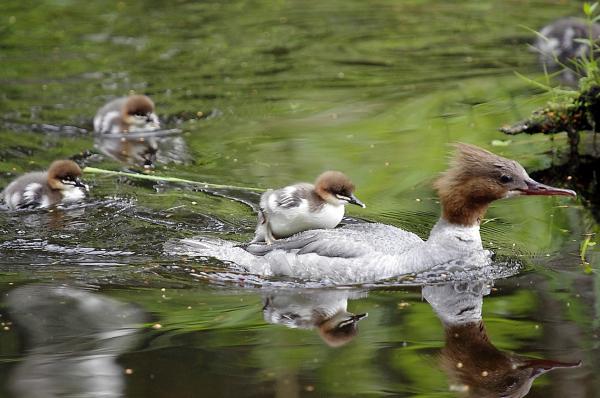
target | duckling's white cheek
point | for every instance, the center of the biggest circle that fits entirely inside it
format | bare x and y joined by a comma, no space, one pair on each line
73,194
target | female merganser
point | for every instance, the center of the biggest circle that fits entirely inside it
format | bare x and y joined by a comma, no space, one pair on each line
60,184
559,43
300,207
369,252
127,115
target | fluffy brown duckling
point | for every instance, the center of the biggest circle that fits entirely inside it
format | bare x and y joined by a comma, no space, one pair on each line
127,115
303,206
60,184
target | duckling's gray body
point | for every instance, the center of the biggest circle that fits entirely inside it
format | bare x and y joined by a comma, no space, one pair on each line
137,110
30,191
108,118
38,189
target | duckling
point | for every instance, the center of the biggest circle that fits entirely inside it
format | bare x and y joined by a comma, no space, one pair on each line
60,184
127,115
300,207
558,42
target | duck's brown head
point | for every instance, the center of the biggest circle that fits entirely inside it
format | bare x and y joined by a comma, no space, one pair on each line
335,188
65,174
477,177
138,112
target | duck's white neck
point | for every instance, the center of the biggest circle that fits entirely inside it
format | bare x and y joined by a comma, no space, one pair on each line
446,244
455,235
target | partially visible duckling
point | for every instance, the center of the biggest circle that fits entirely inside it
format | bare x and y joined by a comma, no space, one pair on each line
300,207
127,115
60,184
558,42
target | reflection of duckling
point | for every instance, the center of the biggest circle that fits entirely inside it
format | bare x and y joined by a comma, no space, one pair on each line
127,115
325,310
61,183
472,362
135,151
300,207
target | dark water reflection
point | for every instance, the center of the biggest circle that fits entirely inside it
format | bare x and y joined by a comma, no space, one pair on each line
72,338
80,342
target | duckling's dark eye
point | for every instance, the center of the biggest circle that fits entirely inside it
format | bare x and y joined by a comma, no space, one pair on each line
505,179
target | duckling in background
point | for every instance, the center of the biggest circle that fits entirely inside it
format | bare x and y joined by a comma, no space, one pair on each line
60,184
558,42
300,207
127,115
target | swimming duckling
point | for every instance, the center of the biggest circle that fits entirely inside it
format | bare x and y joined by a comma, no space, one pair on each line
60,184
127,115
300,207
559,43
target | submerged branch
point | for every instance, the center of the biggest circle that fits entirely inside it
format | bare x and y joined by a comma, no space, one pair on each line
93,170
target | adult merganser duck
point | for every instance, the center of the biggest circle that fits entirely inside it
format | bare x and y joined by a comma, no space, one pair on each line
127,115
60,184
558,42
300,207
369,252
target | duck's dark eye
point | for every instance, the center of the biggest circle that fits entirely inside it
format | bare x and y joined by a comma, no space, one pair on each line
505,179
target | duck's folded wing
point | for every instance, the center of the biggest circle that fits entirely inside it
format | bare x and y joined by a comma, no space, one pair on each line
347,242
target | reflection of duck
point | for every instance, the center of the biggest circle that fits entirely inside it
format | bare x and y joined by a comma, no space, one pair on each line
472,362
324,310
60,184
368,252
73,339
127,115
300,207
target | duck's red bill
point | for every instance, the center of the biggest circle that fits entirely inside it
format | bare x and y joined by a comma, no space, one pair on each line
537,188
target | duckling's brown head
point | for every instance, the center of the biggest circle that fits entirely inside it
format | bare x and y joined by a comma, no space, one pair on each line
336,188
477,177
64,174
138,111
